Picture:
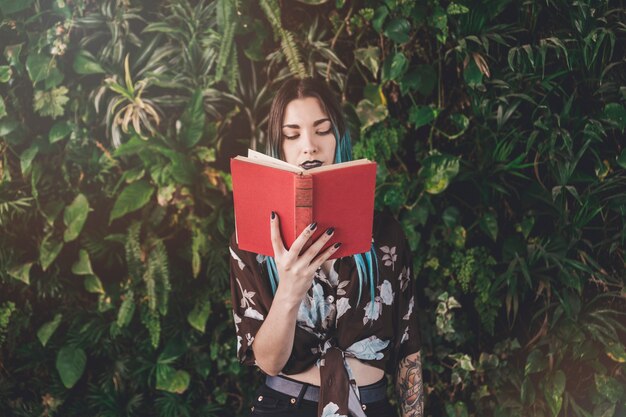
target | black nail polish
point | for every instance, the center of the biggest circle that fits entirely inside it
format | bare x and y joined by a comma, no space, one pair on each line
273,215
313,226
330,230
336,245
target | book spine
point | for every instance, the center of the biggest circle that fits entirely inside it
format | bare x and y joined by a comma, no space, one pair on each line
304,202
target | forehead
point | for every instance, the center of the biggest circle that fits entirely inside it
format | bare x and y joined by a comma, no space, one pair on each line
303,111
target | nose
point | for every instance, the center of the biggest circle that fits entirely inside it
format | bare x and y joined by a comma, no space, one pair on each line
309,146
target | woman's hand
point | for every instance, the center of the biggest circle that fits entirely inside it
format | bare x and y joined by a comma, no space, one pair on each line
296,269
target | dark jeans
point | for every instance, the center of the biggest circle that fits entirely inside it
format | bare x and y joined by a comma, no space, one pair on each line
274,403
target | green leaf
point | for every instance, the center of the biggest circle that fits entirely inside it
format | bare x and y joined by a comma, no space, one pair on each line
535,362
49,250
8,126
132,198
609,388
398,30
3,108
394,66
192,120
437,171
70,364
370,114
553,392
421,115
455,8
13,6
47,330
616,114
458,409
472,75
527,394
60,130
83,265
621,159
380,14
489,225
93,284
5,73
74,217
39,66
51,103
464,361
170,380
616,352
369,57
21,272
27,157
198,317
421,78
85,63
127,309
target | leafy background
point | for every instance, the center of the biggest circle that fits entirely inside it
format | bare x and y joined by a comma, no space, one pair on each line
498,127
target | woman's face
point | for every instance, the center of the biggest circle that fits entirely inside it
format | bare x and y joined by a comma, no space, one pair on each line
308,139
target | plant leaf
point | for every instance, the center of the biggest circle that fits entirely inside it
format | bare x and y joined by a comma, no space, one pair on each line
60,130
133,197
85,63
198,317
553,392
74,217
93,284
83,265
398,30
49,250
192,121
170,380
47,330
21,272
369,57
70,364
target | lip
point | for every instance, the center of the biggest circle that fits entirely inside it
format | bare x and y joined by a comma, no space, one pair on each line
311,164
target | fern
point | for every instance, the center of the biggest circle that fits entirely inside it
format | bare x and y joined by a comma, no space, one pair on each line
150,319
133,250
290,49
287,41
228,53
127,309
10,209
159,262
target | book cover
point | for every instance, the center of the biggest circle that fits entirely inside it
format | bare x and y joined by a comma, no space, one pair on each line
338,195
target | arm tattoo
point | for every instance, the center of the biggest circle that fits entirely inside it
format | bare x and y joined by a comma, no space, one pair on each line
409,386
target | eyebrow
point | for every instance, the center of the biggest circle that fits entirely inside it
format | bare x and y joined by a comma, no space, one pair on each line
315,123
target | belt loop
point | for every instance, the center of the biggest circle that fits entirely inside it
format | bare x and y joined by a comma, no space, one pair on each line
302,392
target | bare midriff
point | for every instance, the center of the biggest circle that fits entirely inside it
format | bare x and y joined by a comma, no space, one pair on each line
363,374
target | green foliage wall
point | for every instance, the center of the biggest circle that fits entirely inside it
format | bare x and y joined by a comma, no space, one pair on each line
498,127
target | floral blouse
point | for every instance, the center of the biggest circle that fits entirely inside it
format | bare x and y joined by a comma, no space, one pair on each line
331,325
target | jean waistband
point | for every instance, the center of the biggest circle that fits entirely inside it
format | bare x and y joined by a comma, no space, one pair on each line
369,394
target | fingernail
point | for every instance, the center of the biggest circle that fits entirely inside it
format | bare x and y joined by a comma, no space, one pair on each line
313,226
273,215
336,245
330,230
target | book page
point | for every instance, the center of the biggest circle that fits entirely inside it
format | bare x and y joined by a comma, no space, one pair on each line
263,159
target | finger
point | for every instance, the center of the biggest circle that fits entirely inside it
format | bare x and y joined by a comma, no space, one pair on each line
277,242
323,257
302,239
317,246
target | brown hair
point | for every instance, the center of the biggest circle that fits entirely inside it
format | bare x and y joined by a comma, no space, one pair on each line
297,88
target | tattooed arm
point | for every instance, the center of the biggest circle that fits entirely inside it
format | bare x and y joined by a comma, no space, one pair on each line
409,387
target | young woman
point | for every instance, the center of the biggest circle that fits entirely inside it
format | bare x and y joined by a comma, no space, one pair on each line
325,331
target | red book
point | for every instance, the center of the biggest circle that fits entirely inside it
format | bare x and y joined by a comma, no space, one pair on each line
339,195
